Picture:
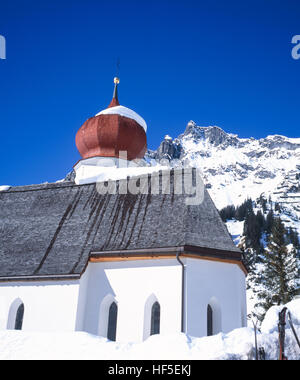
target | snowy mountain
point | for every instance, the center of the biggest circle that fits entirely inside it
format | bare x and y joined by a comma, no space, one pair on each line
234,168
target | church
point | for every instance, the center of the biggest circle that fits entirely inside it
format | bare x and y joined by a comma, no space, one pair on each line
120,249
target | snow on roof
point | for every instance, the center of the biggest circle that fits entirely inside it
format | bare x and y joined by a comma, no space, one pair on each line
124,111
4,187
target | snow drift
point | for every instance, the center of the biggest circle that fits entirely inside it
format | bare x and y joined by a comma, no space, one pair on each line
239,344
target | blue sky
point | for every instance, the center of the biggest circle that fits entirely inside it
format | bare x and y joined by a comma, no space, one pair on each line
225,63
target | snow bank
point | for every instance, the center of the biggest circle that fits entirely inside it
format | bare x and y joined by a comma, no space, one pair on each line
270,322
21,345
239,344
4,188
236,345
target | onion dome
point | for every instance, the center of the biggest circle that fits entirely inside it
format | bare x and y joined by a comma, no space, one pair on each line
113,130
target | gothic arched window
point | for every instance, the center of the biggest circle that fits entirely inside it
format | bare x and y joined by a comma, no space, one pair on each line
19,317
155,319
112,322
209,320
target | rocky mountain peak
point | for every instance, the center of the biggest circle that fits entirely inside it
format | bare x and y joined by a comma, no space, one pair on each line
214,135
235,168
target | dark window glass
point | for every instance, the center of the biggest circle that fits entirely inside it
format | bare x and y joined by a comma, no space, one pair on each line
155,319
209,321
112,322
19,317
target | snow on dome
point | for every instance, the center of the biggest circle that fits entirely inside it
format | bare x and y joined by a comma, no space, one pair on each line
124,111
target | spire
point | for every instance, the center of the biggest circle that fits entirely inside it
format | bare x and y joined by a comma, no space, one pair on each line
115,101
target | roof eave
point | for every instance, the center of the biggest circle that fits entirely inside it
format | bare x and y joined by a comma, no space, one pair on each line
204,253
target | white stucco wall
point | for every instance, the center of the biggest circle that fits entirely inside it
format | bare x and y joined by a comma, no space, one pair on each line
222,285
48,305
134,286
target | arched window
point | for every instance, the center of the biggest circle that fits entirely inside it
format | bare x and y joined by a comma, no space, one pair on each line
209,320
214,317
15,315
112,322
155,319
19,317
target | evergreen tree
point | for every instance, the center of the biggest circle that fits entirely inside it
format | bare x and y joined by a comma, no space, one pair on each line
261,222
253,228
263,202
277,282
227,213
244,209
269,222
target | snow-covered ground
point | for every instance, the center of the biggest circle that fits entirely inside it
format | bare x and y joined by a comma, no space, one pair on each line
236,345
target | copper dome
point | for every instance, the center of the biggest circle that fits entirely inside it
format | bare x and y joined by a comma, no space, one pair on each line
114,130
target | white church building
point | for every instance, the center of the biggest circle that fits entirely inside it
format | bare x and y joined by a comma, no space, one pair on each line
119,252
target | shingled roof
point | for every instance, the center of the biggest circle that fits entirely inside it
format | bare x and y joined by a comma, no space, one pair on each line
51,230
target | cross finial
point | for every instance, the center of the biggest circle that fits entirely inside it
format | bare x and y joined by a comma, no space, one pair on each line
115,100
